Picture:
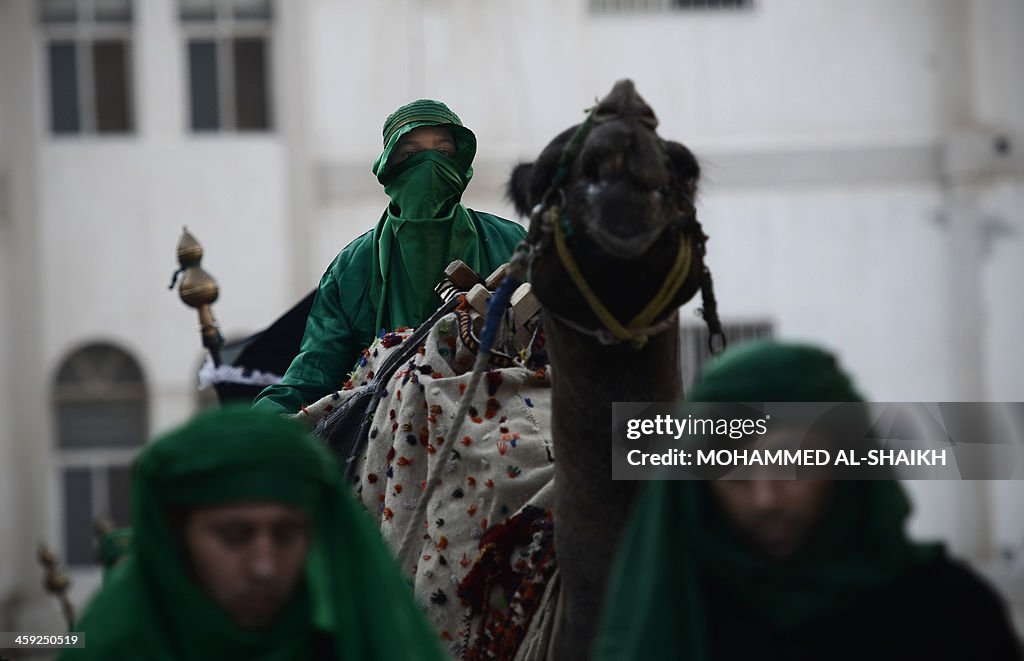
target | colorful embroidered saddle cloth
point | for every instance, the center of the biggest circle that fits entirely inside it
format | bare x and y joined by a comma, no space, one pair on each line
501,465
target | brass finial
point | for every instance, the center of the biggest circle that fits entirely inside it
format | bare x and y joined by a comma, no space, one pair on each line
56,582
189,250
199,290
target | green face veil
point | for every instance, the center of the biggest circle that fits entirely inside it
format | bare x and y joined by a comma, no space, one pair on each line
676,537
425,227
352,595
424,187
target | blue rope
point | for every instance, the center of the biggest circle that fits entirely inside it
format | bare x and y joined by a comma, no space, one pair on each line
496,306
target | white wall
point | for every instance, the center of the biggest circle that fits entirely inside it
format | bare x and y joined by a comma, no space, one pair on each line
785,73
1003,276
111,235
24,426
112,209
8,489
997,50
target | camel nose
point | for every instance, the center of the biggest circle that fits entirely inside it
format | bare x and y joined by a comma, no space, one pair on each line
623,141
624,101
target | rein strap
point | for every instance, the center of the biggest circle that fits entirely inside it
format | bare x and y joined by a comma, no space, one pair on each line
638,330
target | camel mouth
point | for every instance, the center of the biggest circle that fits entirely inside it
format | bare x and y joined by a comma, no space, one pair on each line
622,221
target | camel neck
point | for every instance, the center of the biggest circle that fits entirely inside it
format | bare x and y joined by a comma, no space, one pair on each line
591,509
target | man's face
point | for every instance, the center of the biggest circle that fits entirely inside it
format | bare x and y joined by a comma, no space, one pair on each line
248,558
422,138
775,517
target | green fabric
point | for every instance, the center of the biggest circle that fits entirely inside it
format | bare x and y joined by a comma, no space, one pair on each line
151,608
771,371
385,278
675,539
350,309
426,112
423,187
115,546
425,228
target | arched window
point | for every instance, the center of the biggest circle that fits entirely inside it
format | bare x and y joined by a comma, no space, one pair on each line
101,421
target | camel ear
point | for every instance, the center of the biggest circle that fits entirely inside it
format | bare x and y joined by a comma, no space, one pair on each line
686,170
518,189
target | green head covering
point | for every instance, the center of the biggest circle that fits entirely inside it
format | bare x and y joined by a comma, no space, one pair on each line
424,227
115,546
769,371
151,607
427,112
676,538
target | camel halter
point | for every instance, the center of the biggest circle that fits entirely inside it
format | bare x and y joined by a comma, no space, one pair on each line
547,219
640,329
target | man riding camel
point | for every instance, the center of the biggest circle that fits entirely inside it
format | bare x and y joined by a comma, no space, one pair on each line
385,278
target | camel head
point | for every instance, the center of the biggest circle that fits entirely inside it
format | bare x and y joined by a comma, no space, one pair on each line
622,199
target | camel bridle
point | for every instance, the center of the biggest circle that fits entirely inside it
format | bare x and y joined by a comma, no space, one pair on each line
549,224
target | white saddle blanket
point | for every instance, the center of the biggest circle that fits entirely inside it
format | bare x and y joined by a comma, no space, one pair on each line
502,461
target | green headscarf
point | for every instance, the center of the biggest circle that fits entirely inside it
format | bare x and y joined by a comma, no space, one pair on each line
425,227
115,547
655,604
151,608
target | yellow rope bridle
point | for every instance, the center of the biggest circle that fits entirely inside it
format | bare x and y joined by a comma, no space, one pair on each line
639,329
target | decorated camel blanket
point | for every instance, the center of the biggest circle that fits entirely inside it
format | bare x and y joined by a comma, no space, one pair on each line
484,554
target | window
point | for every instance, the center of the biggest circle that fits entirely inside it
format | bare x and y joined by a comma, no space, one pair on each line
693,344
228,58
663,5
100,414
88,55
709,4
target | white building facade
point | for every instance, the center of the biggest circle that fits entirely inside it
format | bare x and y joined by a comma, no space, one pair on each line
863,188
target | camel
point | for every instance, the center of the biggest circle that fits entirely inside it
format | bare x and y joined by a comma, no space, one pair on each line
625,198
515,523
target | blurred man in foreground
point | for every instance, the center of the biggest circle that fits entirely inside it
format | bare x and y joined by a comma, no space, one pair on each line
801,569
246,546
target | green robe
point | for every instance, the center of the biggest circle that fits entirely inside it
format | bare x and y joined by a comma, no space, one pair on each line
676,538
351,604
385,278
351,307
